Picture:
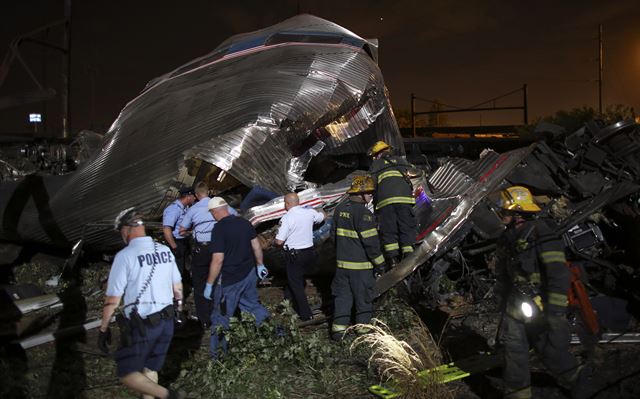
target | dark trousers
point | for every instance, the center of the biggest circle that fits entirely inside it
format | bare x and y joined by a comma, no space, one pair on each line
181,254
397,229
351,287
298,265
199,273
551,343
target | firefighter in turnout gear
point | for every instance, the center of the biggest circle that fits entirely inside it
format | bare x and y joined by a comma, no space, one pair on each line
393,201
358,257
533,282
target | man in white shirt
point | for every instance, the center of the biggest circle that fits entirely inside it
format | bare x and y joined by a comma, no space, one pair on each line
296,235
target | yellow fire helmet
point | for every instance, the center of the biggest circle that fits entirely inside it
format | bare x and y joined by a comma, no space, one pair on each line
361,185
518,198
378,147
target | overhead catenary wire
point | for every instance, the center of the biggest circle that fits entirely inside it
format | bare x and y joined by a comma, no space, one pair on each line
437,102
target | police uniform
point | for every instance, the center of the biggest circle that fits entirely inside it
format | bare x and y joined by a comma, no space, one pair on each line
394,203
144,274
172,217
531,262
296,231
199,219
357,252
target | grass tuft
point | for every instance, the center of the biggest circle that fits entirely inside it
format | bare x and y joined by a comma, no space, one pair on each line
398,362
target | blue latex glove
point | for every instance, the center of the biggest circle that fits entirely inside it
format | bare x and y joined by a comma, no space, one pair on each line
207,290
263,272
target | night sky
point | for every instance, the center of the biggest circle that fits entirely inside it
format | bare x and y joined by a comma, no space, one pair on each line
460,52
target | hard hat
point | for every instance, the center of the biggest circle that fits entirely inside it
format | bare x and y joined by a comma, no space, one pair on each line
128,217
378,147
361,185
518,198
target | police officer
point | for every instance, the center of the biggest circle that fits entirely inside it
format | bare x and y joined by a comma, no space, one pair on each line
393,201
171,218
533,282
236,264
145,273
201,223
296,234
358,257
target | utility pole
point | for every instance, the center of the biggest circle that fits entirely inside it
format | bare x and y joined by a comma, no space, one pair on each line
525,109
600,69
413,115
65,94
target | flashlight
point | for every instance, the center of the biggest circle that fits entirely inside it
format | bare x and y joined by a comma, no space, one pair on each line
527,309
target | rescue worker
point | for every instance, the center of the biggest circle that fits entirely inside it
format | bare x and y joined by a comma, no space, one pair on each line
236,264
393,201
533,282
358,257
146,274
171,219
296,235
201,223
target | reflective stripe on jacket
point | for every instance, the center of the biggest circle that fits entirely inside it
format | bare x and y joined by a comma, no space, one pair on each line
391,184
537,258
357,242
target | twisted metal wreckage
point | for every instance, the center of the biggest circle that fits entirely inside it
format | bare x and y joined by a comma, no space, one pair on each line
294,107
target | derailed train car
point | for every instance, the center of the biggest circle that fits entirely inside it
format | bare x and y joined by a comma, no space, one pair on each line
292,106
588,181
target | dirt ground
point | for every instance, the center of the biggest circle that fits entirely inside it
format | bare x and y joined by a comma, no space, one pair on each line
74,367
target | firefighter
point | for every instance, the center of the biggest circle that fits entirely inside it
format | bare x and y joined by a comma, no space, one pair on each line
533,282
358,257
393,201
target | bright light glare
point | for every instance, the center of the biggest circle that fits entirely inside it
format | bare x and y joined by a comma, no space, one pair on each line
35,118
527,310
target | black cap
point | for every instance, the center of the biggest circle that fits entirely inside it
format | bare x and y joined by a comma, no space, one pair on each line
184,191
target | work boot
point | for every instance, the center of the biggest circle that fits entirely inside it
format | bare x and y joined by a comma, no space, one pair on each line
582,389
337,336
407,252
393,262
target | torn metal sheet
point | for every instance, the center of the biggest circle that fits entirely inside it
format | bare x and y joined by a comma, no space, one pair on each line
44,338
260,109
441,216
583,180
321,197
612,338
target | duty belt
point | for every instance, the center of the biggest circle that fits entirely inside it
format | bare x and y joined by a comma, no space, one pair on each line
294,252
203,243
154,318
